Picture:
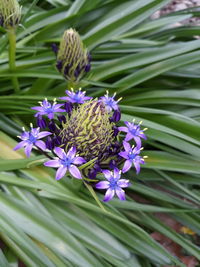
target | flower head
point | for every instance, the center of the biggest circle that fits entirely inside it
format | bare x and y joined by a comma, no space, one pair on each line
133,132
113,184
66,162
88,129
110,102
132,157
10,13
46,108
76,97
73,60
30,139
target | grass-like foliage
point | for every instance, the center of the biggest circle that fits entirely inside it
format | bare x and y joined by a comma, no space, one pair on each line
155,68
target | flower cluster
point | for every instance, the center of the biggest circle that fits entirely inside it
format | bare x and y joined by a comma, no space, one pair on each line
84,131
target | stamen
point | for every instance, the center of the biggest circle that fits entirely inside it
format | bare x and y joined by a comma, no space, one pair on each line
23,129
145,129
145,157
31,125
140,122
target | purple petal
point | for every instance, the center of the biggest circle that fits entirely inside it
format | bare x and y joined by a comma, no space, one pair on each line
50,115
87,98
20,145
117,174
35,132
123,183
127,166
65,98
120,193
43,134
142,135
123,129
75,172
79,160
137,166
129,136
55,163
38,108
28,149
59,152
102,185
40,144
128,124
69,93
109,195
72,152
25,136
138,141
60,110
107,174
124,155
127,146
57,106
61,172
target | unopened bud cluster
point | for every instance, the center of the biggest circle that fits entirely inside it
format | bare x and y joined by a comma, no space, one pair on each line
10,13
73,60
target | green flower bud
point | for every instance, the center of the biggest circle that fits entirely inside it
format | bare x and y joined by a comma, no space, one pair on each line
10,13
73,60
89,130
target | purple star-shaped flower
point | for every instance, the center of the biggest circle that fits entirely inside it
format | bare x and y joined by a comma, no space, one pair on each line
113,185
66,162
76,97
30,139
132,157
110,102
48,109
133,132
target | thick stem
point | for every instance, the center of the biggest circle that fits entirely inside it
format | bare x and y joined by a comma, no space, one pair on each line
12,52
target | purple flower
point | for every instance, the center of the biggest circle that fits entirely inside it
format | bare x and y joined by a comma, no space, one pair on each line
110,102
113,185
30,139
66,162
76,97
132,157
48,109
133,132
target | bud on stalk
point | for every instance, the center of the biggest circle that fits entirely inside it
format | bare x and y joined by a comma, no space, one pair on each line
73,60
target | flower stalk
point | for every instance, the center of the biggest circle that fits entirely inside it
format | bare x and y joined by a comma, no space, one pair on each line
12,55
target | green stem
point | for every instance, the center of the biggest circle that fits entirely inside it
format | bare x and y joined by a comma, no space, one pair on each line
12,52
95,196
